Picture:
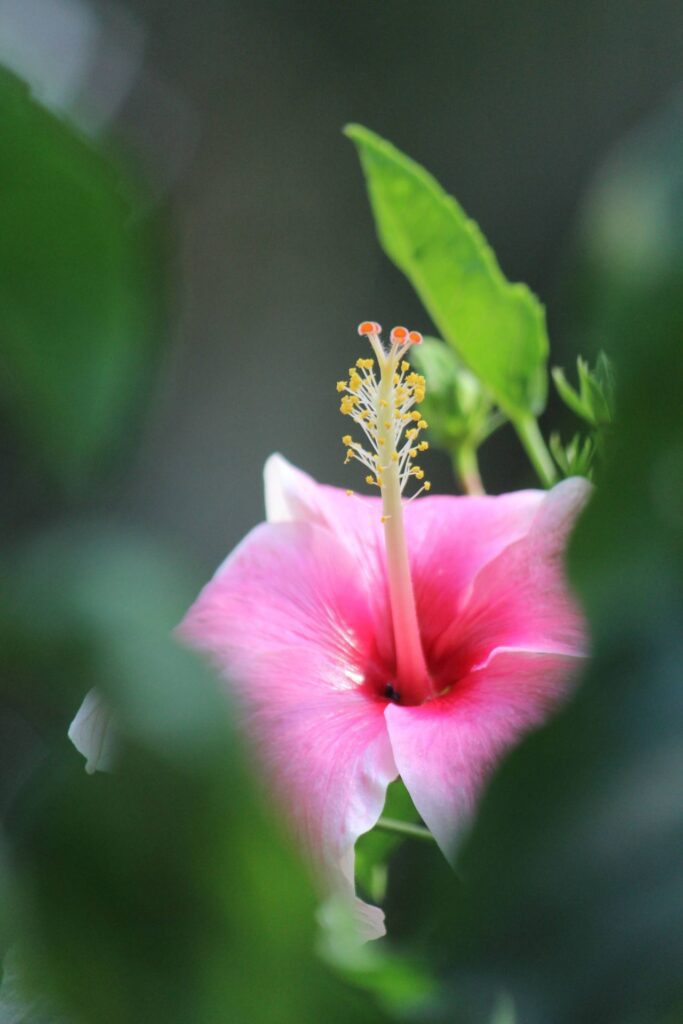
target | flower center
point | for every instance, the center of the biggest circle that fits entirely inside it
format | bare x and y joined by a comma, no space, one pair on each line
382,401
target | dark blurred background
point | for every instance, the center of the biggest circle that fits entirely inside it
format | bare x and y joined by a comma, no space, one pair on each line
230,113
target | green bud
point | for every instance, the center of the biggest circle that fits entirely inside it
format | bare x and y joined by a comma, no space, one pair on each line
457,408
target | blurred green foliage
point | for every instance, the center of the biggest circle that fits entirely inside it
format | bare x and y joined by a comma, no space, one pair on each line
572,901
80,289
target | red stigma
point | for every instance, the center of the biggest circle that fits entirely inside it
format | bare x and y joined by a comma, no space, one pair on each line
369,327
415,338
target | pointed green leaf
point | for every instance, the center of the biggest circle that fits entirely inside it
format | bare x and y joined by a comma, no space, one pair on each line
497,328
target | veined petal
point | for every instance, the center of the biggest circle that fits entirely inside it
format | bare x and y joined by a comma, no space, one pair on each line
446,749
288,622
522,598
449,539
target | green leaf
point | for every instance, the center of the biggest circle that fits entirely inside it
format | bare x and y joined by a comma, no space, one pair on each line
497,328
78,289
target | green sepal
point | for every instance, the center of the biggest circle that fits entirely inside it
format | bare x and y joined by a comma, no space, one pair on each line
575,458
594,399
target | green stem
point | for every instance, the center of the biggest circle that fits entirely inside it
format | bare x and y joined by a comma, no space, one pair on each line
405,828
535,447
466,468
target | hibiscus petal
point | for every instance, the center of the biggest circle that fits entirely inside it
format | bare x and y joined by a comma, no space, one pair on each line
92,733
294,496
288,622
522,598
446,749
449,539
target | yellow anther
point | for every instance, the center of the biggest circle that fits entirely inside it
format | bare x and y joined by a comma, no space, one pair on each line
427,486
422,424
347,404
350,493
381,396
423,446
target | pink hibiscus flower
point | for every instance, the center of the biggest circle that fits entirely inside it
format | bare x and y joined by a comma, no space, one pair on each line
367,638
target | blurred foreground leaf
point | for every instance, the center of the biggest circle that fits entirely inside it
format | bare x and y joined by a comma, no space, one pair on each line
95,608
163,892
573,895
16,1005
497,328
79,276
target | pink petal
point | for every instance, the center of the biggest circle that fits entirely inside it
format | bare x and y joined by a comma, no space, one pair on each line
522,598
449,539
446,749
444,534
287,620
